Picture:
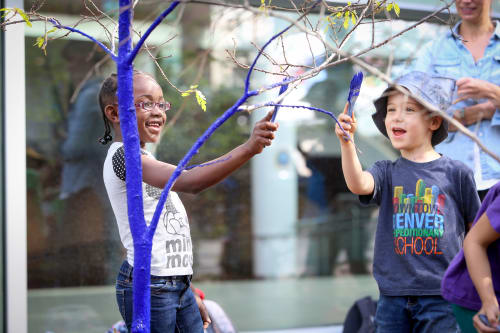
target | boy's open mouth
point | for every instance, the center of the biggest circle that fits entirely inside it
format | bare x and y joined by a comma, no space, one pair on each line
396,131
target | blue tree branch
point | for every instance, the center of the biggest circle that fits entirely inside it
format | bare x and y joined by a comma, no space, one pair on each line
108,51
313,109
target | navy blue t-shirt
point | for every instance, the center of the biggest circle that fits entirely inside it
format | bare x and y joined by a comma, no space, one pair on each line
424,208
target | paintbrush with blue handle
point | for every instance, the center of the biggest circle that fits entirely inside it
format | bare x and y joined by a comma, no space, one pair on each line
283,88
356,81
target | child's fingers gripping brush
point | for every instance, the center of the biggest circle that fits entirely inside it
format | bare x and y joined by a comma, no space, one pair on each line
354,89
343,120
341,123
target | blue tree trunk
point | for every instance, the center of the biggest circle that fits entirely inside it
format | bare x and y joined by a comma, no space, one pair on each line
128,125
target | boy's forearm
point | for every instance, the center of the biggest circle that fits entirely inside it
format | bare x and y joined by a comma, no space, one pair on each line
358,181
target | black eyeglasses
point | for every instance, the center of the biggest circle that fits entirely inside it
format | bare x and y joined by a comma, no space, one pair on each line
149,106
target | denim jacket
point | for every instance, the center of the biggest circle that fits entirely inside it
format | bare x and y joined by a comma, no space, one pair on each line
448,56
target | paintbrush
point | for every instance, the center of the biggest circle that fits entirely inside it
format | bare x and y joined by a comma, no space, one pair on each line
356,81
283,88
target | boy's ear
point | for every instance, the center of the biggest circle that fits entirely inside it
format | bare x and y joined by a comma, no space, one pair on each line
111,112
436,122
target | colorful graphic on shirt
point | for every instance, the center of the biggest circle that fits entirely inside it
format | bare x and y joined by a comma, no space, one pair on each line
417,220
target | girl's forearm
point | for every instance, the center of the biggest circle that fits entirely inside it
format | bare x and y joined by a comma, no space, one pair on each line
202,177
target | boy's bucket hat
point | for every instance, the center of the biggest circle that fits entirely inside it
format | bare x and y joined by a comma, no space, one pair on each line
436,90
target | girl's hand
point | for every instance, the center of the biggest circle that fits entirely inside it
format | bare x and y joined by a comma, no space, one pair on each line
348,124
262,134
492,313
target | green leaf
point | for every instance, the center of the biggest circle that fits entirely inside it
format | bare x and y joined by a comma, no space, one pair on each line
39,42
6,10
24,16
389,7
396,9
201,99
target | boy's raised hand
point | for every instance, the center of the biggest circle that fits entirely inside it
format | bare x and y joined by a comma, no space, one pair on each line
262,134
348,124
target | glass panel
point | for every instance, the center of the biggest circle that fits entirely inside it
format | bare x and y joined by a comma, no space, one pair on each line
72,237
325,247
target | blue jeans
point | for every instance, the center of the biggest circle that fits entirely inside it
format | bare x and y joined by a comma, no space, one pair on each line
424,314
173,306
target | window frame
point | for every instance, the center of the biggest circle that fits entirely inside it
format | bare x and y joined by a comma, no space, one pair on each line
14,177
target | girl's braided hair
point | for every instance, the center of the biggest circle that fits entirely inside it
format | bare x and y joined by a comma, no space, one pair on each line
107,96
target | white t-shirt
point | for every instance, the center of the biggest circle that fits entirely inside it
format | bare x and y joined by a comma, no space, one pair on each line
172,247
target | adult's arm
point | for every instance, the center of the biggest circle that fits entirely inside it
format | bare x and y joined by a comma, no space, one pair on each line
468,87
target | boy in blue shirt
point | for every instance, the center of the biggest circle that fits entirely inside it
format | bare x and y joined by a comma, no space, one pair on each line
426,201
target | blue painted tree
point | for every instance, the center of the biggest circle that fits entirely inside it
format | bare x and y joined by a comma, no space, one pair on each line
141,232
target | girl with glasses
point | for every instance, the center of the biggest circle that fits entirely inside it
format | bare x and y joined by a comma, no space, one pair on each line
173,304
